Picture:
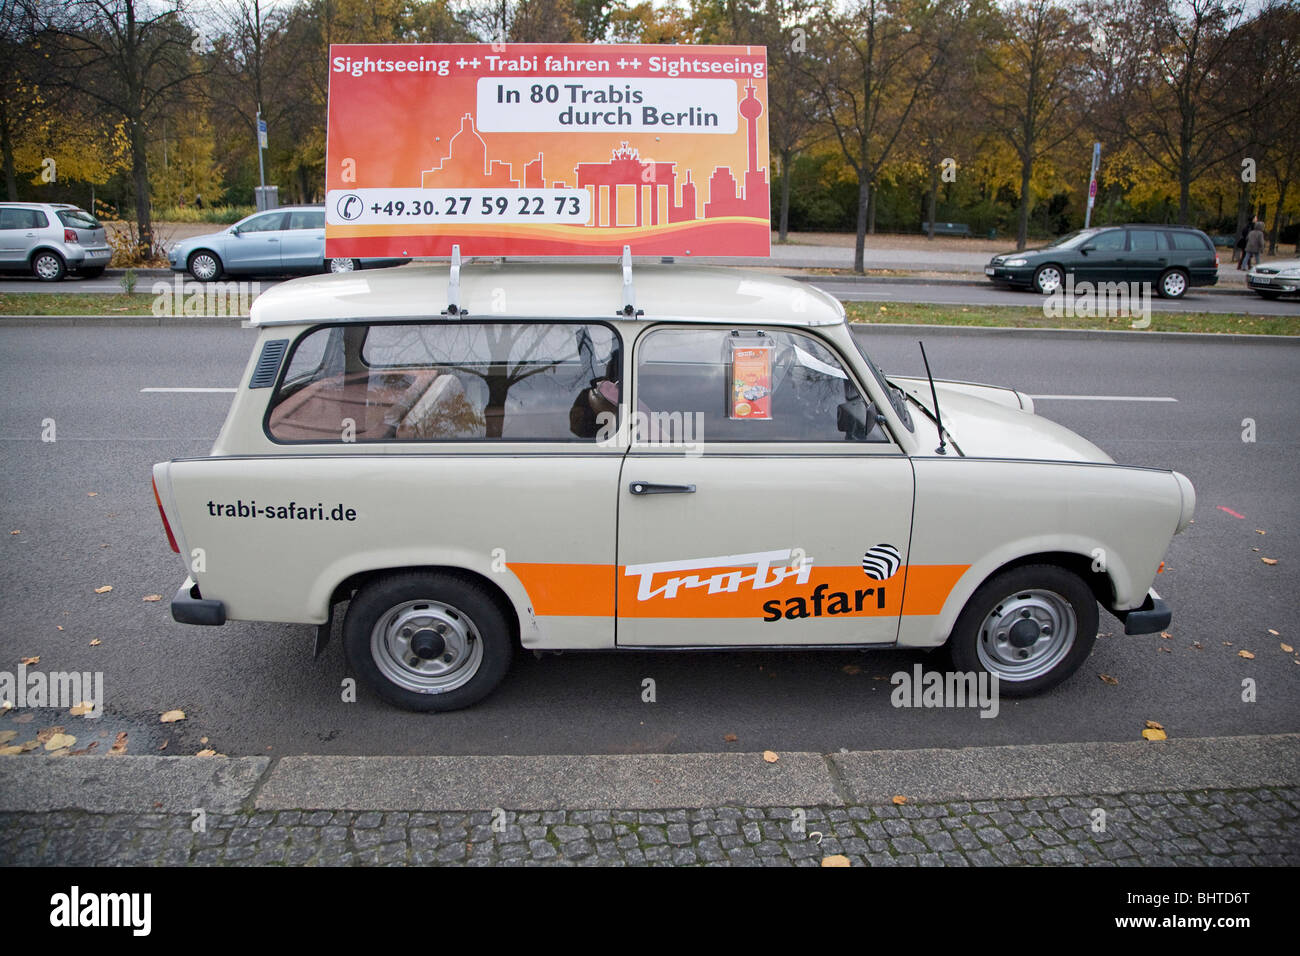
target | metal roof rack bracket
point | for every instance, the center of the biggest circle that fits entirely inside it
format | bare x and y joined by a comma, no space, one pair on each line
629,309
453,285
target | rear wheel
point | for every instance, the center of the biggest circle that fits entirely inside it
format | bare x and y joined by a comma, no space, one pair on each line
1173,284
1048,279
48,266
1031,627
343,265
427,641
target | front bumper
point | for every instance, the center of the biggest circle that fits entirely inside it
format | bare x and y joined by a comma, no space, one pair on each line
190,607
1152,617
1273,283
1019,275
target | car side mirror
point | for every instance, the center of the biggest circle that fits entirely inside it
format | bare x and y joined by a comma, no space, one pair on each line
1087,249
855,418
234,230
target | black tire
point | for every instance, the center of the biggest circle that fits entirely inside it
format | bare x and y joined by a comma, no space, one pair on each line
1008,591
209,267
1045,271
461,607
92,273
48,266
1173,283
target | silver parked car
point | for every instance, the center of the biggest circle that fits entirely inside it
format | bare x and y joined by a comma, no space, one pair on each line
49,240
285,240
1280,277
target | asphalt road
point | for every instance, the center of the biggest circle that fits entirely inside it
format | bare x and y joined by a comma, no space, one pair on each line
253,688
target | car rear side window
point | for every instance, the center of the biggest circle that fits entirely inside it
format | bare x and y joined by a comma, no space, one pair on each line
449,381
18,218
1146,240
307,219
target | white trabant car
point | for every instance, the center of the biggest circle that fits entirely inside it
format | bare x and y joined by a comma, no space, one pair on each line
560,457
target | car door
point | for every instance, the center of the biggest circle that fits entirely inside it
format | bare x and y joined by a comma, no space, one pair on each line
19,232
1103,258
1147,256
748,516
256,245
303,247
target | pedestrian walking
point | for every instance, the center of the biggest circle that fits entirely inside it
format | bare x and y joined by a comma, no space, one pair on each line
1239,251
1254,245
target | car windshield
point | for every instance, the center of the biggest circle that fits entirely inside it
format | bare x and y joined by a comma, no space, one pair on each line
78,219
896,397
1070,239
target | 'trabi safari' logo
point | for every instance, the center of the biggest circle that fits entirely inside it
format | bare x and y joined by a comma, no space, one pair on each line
770,569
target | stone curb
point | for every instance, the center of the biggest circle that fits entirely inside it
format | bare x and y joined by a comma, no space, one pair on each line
642,782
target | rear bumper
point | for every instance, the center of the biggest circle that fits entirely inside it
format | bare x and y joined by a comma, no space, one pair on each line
190,607
1153,616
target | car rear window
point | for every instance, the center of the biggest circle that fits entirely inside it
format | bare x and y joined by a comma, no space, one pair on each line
1190,241
449,381
78,219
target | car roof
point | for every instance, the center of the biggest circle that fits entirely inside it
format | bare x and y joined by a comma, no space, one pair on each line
548,290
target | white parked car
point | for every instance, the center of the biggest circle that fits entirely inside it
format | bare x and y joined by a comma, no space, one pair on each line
1277,278
559,457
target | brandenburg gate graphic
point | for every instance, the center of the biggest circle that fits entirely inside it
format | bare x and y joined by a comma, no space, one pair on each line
467,164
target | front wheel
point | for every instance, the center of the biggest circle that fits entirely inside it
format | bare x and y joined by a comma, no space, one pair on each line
204,266
1031,627
343,265
427,641
1048,279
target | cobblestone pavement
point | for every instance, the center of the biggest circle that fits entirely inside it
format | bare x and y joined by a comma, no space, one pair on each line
1232,828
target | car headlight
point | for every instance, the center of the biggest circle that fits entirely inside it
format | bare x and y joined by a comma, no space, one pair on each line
1290,274
1016,262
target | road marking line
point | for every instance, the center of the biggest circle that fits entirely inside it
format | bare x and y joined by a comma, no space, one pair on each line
1105,398
1231,512
230,391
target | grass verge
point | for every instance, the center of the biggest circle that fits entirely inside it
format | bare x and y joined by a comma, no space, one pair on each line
1031,317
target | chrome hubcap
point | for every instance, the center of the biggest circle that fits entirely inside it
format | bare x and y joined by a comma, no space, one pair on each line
47,267
203,267
342,265
1027,634
1049,280
1175,284
426,646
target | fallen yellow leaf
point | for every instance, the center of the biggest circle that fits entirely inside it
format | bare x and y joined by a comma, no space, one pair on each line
1106,678
730,738
95,643
15,532
119,745
59,741
1260,531
1153,725
1246,654
7,735
206,753
770,756
172,716
153,597
1269,560
10,751
104,590
82,709
29,661
899,800
92,494
1154,735
1287,647
836,860
1166,635
1273,632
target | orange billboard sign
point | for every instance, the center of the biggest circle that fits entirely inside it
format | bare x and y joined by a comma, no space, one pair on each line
547,149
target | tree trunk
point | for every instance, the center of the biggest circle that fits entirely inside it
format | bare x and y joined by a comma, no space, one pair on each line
140,175
1022,215
785,196
871,211
860,242
7,149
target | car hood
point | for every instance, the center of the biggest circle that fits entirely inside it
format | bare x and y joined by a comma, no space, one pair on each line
989,426
1278,265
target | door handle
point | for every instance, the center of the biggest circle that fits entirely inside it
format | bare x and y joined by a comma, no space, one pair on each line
650,488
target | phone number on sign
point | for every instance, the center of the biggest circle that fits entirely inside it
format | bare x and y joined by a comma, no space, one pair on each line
362,207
